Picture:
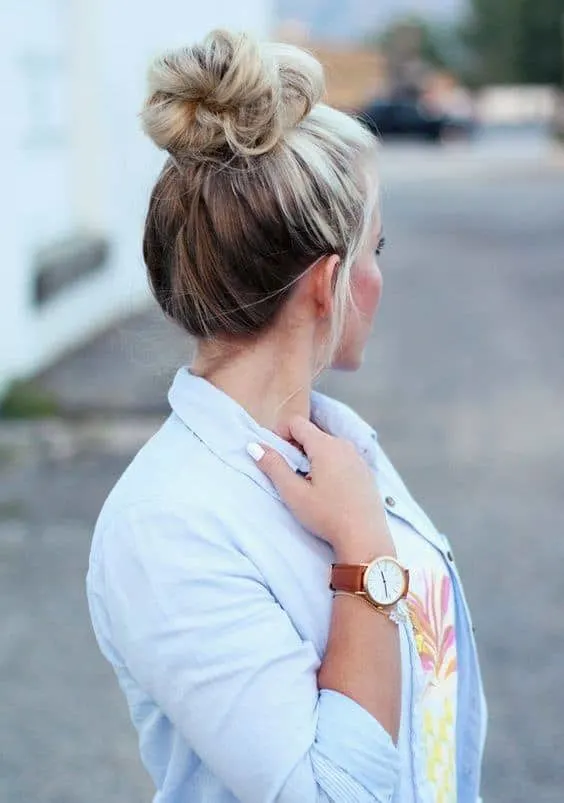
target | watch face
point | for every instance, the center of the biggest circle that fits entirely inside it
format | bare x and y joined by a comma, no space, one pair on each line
385,581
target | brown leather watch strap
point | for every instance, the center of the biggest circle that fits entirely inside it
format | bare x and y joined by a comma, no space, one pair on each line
347,576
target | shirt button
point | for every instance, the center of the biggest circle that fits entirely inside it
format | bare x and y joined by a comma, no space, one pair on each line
450,556
390,501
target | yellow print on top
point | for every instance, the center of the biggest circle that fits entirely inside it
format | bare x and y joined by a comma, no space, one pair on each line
431,610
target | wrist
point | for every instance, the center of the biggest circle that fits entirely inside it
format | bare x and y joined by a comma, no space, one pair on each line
365,550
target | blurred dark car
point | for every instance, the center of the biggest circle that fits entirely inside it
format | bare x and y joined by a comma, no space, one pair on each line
395,118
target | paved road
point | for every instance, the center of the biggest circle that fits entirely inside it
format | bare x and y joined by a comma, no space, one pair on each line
465,383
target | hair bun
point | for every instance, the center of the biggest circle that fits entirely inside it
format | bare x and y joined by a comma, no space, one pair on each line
228,91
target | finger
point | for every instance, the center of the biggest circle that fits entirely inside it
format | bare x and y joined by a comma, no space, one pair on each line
286,481
307,434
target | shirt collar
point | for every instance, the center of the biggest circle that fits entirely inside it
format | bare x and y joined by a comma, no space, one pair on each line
336,418
226,428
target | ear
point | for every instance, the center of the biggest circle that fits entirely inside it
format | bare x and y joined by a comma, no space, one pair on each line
323,276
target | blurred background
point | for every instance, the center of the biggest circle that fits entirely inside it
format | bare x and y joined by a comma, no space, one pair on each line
464,380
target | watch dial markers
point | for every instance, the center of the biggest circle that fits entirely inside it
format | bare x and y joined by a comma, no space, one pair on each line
385,581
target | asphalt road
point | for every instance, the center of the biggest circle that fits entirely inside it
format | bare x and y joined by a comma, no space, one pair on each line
465,383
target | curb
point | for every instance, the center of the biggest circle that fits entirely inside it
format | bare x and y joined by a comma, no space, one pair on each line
57,439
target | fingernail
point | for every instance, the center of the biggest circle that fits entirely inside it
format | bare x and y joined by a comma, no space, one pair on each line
255,450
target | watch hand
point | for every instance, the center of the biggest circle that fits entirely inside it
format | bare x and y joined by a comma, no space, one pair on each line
384,581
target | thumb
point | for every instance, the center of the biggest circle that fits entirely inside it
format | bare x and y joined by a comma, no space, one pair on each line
288,484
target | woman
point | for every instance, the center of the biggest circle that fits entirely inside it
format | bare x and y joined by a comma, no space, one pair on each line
280,632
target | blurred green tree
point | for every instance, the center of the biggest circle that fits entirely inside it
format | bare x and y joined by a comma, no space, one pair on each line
515,41
413,46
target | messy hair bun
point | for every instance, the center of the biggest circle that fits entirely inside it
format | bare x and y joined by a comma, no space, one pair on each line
228,93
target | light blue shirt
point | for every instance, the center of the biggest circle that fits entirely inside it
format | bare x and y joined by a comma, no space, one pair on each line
212,604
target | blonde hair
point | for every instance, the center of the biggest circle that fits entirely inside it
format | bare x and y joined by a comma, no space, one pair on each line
263,180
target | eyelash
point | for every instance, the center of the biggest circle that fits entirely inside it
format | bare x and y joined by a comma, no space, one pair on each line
380,246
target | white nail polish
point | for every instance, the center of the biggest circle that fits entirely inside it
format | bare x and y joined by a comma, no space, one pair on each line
255,450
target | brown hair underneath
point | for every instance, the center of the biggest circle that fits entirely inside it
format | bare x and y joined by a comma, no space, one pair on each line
220,253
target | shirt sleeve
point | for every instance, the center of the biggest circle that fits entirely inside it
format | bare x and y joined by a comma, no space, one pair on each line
203,636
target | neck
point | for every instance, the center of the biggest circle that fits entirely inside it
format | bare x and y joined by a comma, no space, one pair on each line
270,380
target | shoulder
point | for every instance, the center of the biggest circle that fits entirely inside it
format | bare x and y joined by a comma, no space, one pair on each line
173,471
165,548
175,494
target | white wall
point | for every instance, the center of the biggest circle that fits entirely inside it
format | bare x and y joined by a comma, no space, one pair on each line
73,157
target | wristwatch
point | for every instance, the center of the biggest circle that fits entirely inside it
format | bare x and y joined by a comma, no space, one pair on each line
383,582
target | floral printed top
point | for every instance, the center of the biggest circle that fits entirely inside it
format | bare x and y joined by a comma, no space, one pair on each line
432,612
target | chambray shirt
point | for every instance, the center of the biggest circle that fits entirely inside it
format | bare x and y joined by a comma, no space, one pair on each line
213,606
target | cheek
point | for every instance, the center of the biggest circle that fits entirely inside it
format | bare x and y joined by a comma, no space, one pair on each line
367,291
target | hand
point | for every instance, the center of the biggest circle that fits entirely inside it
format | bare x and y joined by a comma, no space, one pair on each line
338,501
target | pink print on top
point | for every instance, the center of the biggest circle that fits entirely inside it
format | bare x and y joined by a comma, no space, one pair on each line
431,608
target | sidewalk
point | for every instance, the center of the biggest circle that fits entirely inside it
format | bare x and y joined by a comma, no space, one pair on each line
124,371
